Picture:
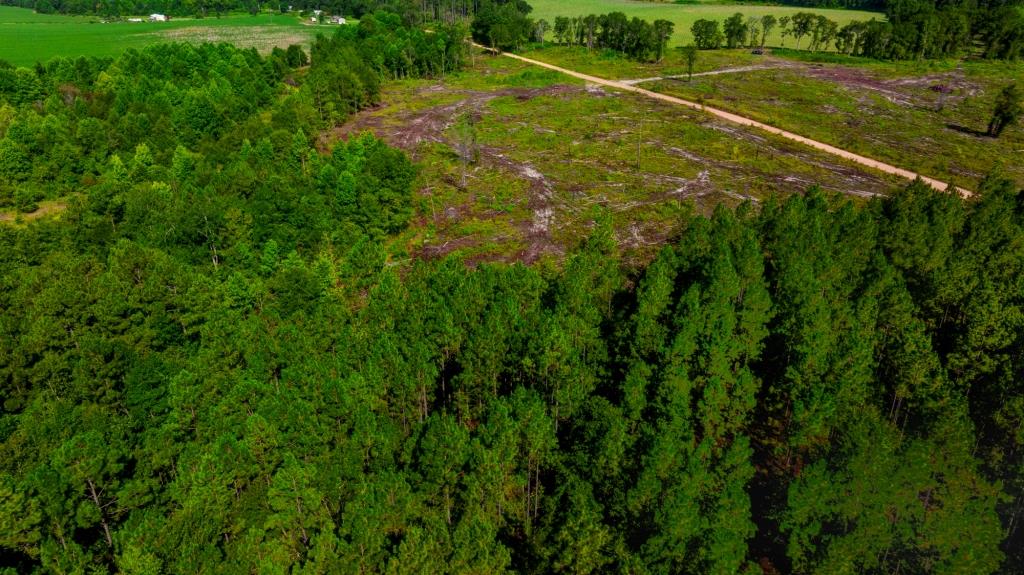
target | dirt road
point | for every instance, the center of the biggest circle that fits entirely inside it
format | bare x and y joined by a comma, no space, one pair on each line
743,121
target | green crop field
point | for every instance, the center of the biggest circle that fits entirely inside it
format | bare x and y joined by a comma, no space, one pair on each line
684,15
27,37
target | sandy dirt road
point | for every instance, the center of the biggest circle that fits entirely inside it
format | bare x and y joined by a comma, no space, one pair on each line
743,121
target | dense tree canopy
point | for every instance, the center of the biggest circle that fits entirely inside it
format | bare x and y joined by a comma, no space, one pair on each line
208,362
638,39
918,29
503,26
796,375
706,34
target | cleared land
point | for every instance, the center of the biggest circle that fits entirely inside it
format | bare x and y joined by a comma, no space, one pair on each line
744,121
46,208
924,117
545,151
684,15
27,37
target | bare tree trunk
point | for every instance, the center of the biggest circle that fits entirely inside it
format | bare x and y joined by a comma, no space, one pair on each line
99,507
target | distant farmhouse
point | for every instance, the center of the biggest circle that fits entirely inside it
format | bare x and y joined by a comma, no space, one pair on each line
157,18
317,14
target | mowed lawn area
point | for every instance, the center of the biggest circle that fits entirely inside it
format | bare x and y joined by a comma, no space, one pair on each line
684,15
27,37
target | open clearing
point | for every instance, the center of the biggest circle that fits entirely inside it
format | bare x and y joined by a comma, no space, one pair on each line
546,150
27,37
923,117
684,15
743,121
928,121
46,208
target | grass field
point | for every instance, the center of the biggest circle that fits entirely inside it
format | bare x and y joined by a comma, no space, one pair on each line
684,15
27,37
551,150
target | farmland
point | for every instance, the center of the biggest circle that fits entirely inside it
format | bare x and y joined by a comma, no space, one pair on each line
27,37
684,15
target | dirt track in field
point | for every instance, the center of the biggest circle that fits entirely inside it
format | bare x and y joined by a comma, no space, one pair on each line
744,121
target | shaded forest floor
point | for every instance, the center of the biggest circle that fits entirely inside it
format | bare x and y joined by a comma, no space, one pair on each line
515,161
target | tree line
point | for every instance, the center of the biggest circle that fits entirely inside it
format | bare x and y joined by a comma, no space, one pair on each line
506,27
638,39
411,11
917,29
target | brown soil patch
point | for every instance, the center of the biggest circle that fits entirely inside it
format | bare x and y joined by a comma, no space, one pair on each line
856,79
900,90
46,208
430,125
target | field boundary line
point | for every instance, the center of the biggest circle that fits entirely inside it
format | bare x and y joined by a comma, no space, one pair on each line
743,121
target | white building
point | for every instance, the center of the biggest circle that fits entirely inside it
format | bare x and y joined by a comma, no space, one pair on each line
337,20
157,18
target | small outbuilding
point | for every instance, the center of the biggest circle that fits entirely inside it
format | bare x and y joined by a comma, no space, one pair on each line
157,18
337,20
